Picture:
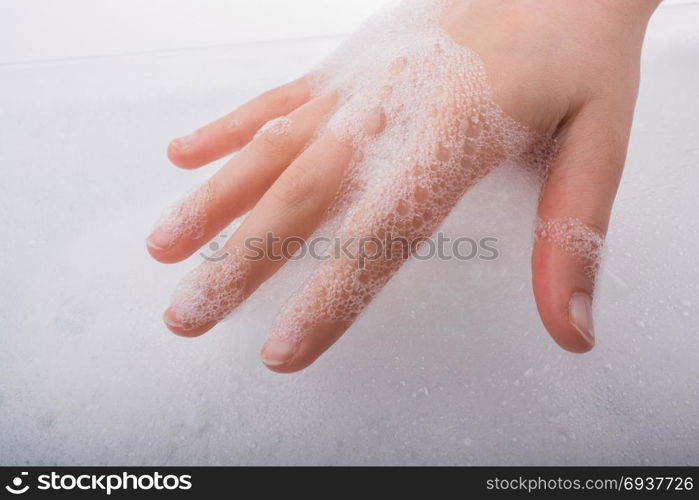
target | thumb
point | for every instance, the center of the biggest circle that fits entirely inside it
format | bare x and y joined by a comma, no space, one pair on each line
574,211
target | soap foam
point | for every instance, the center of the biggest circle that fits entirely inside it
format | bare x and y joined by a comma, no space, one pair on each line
212,290
187,218
279,126
416,108
574,237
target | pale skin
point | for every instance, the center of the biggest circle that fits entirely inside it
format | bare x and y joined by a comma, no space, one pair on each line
563,67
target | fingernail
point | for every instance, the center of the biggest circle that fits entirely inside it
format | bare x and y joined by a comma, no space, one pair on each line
184,329
277,352
580,314
171,320
160,239
186,142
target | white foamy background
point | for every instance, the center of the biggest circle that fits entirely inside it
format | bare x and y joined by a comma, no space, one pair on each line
450,365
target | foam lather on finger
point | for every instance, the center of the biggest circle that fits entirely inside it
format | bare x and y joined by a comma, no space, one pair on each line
417,108
279,126
211,291
187,218
574,237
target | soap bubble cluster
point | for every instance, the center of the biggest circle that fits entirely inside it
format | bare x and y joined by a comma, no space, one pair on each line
187,218
211,291
417,109
278,126
574,237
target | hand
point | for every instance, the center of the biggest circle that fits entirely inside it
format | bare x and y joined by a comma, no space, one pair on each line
387,136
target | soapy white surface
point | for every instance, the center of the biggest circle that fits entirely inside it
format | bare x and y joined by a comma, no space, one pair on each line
449,365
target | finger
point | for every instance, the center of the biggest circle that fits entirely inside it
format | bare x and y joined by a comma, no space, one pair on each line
233,131
238,185
574,213
290,211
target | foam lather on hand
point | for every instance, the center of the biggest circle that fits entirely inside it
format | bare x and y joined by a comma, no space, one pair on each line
277,126
195,302
574,237
187,219
416,108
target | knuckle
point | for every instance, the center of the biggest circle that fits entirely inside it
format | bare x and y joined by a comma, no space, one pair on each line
269,142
